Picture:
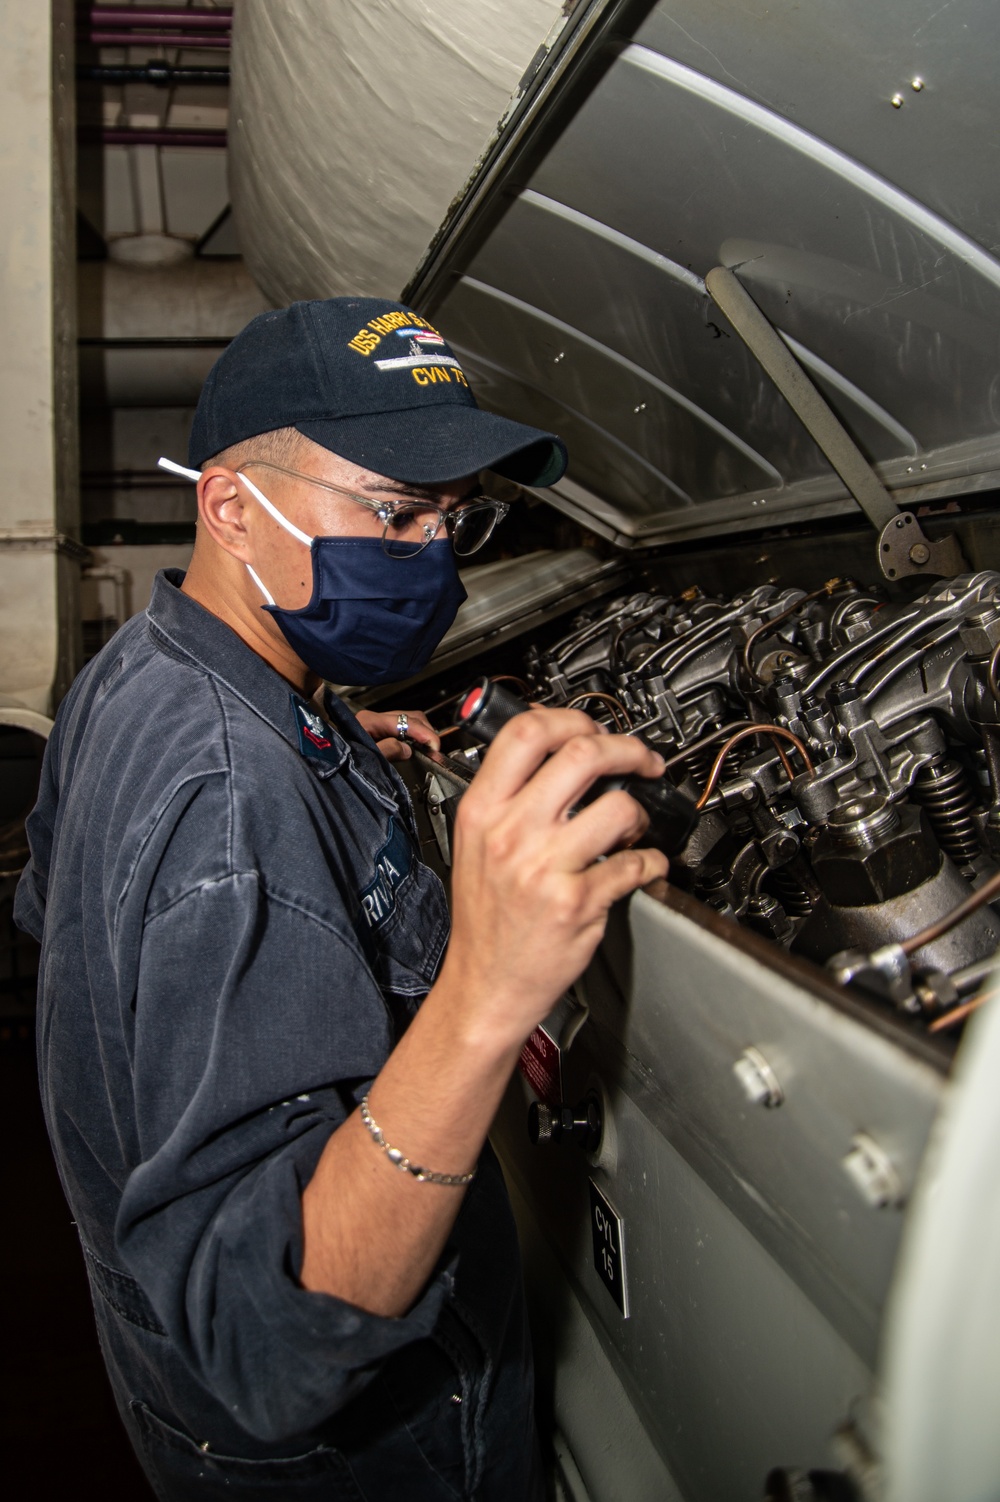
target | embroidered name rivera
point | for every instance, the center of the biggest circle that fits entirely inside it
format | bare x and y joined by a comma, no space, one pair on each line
392,865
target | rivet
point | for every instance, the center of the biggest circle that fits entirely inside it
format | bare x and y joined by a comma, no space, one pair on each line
758,1079
560,356
641,407
873,1173
897,101
916,84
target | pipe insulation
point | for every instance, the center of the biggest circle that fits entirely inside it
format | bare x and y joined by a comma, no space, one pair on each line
354,124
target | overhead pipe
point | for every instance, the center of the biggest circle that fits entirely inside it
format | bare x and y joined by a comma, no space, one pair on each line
140,38
110,136
220,19
156,73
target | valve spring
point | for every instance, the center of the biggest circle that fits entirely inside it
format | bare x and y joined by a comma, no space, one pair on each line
790,893
700,763
945,793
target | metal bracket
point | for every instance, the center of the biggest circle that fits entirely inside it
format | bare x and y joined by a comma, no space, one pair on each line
903,549
909,552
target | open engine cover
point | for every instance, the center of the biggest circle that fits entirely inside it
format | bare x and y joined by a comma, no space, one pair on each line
767,1086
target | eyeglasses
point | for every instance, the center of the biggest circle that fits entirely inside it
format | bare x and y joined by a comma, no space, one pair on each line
409,525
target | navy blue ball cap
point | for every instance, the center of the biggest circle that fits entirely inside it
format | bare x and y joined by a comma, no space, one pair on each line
372,381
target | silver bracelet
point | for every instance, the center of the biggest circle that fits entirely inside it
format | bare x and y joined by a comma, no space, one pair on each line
396,1157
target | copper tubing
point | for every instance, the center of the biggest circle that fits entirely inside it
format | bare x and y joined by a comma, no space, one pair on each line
618,709
773,731
708,740
776,620
510,678
762,728
633,625
951,920
957,1014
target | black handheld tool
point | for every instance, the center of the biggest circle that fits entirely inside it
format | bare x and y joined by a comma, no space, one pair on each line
486,708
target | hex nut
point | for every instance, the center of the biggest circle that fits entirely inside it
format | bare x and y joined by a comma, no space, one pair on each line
895,862
981,633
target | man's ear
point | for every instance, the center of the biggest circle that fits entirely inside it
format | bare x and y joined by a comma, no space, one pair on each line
222,510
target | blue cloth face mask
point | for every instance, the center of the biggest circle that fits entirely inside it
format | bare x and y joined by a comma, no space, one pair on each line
372,619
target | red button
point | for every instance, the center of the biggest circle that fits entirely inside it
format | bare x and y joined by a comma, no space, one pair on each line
471,702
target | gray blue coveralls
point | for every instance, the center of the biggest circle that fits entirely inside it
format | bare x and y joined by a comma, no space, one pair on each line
236,927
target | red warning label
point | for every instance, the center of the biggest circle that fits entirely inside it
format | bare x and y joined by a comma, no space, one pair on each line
541,1065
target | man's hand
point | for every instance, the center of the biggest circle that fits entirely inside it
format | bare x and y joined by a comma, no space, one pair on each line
530,889
531,895
382,728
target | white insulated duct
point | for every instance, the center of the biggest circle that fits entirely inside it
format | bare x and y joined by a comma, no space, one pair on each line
150,334
353,125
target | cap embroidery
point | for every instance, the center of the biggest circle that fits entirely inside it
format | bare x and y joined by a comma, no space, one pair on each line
403,321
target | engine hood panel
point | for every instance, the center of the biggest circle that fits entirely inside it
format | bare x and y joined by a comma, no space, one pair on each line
840,160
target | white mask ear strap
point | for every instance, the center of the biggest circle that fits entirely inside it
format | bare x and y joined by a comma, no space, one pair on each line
260,585
272,510
269,506
179,469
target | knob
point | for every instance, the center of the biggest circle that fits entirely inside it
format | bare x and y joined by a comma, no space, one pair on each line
562,1123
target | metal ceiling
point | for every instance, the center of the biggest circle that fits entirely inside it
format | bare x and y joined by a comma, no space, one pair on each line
842,158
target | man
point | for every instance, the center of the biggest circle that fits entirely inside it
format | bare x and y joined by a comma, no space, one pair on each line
268,1074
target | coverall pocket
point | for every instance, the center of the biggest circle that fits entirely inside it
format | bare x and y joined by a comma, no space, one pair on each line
180,1469
427,1392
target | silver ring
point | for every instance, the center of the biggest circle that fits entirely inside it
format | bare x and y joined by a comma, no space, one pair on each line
402,725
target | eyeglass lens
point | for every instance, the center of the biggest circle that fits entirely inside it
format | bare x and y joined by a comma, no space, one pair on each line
471,527
409,531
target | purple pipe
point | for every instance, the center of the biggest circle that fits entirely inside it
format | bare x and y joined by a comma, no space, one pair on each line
154,39
190,20
111,137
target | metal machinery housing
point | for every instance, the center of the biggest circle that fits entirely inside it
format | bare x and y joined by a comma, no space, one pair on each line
758,1034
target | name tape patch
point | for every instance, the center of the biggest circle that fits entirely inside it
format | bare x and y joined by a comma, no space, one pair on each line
392,866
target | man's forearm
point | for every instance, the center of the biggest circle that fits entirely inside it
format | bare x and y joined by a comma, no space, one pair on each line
373,1233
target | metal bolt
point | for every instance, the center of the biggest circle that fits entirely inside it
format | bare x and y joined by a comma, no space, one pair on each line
919,553
897,101
916,84
759,1081
872,1172
560,356
641,407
